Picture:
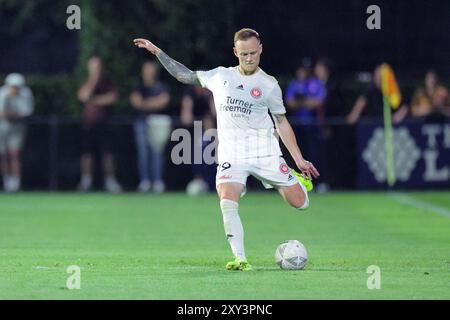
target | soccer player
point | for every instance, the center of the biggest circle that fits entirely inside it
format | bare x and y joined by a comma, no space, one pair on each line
244,95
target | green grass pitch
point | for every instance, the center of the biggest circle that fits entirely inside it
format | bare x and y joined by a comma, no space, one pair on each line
133,246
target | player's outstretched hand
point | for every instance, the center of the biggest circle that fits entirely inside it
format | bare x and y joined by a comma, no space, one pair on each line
308,169
147,44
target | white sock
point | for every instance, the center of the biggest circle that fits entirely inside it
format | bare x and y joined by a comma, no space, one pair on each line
233,227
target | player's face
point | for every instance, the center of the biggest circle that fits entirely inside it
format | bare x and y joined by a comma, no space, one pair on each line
248,52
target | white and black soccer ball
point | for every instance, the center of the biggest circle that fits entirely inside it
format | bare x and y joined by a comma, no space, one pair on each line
291,255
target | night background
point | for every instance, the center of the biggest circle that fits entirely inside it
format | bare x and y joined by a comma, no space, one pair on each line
89,183
35,41
413,38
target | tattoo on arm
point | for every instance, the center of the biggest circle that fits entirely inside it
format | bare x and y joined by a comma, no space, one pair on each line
178,70
279,118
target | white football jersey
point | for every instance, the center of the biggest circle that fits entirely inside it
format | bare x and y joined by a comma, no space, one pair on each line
245,129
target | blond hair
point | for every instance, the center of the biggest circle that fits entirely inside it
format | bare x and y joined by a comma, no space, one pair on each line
245,34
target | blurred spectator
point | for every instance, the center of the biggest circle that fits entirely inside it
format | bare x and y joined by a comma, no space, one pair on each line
333,102
304,98
151,99
98,96
369,104
330,134
422,100
430,102
16,103
305,94
197,104
429,99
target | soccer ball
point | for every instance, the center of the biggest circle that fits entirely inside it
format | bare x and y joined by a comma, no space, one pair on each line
291,255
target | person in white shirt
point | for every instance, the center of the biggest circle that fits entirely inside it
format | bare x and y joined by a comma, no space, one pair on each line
16,103
244,95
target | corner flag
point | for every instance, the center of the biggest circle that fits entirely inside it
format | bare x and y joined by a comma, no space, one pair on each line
391,99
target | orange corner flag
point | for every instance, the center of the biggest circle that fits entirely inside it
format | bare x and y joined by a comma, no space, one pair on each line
389,86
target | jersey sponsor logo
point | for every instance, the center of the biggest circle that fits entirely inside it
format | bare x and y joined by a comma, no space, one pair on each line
256,93
240,87
236,106
290,177
284,168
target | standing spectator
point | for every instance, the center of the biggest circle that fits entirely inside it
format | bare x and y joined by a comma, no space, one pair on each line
369,104
333,136
333,102
197,104
305,95
98,96
151,100
16,103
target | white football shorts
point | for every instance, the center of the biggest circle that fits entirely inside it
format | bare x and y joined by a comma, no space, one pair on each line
273,172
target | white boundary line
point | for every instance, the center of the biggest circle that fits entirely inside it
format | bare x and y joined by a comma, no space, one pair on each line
408,200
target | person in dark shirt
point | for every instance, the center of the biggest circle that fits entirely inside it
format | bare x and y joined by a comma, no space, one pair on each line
369,104
98,95
150,99
333,136
333,104
197,104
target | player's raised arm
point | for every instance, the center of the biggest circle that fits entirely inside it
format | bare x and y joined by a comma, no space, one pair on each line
176,69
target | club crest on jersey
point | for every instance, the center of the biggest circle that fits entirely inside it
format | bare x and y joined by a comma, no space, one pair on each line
256,93
284,168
